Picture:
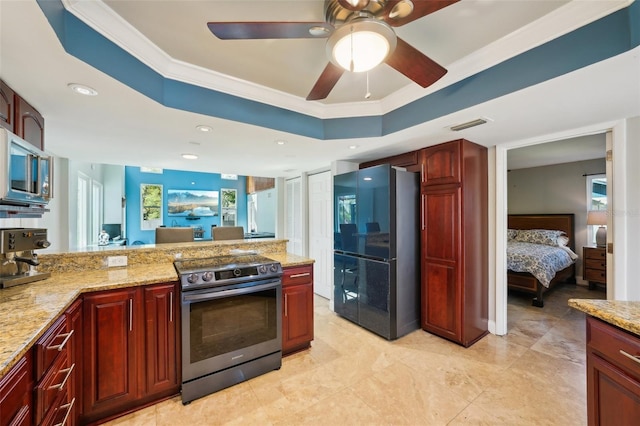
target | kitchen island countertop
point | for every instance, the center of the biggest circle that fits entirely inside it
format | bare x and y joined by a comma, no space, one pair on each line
623,314
28,310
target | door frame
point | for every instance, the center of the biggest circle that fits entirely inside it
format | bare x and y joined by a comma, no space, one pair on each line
498,218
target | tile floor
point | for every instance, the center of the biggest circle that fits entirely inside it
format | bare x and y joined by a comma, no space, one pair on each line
535,375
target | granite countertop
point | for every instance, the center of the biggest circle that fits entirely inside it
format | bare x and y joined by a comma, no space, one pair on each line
623,314
28,310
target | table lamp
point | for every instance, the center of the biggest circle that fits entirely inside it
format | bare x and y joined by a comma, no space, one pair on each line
598,217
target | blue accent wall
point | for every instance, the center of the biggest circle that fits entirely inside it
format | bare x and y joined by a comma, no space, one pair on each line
177,179
605,38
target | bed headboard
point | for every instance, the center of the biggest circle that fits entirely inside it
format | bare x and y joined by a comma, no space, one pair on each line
562,222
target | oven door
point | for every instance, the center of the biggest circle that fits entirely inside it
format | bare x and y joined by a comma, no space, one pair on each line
231,325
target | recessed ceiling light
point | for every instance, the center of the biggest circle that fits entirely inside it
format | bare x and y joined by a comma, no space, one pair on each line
281,142
204,128
353,146
82,89
189,156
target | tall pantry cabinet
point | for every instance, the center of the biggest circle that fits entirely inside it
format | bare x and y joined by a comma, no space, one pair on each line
454,241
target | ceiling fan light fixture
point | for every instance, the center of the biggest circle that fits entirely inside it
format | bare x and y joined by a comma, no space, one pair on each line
361,45
353,4
318,31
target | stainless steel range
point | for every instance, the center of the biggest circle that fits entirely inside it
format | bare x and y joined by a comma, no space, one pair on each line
231,321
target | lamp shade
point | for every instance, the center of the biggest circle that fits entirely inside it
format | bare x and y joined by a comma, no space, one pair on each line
597,217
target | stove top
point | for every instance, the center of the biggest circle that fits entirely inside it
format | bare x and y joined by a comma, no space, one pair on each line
225,270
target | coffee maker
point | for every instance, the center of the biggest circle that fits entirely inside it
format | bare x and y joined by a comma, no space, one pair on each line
18,261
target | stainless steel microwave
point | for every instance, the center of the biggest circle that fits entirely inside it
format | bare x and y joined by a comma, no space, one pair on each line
26,173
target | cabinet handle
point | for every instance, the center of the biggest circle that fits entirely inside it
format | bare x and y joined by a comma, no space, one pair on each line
60,385
306,274
421,172
130,314
61,346
285,306
69,407
171,306
631,357
423,213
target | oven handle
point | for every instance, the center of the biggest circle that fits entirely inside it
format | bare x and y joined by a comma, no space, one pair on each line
210,295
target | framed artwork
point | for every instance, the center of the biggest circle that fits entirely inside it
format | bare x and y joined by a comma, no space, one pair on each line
150,206
190,203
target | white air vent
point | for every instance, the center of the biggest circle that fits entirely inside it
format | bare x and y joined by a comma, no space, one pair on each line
468,124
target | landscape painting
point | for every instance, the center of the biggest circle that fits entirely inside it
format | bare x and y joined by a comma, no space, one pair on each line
190,203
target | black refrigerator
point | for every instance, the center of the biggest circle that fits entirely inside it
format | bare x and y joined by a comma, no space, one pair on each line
376,249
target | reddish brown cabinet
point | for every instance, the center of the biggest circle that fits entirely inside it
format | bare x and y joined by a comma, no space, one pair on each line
19,117
7,107
112,348
130,349
613,375
161,339
297,308
16,390
454,241
75,352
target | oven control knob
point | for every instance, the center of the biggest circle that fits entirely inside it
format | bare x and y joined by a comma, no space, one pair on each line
207,276
262,269
237,272
192,278
274,268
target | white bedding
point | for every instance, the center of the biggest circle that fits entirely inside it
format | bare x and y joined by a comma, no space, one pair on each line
540,260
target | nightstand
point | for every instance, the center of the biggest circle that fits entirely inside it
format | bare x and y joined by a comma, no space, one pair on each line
594,262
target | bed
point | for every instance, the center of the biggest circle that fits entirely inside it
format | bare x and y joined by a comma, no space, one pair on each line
551,266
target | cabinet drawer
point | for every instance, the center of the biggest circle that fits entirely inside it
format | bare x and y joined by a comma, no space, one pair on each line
595,275
297,275
50,345
54,384
620,348
595,253
596,264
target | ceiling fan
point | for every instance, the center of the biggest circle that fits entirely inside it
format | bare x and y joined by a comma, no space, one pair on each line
359,37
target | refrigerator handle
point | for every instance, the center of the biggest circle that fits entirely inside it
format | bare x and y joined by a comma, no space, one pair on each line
423,213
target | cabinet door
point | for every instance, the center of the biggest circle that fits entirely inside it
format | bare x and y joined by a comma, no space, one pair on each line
161,344
613,396
29,123
441,287
297,322
297,308
110,361
441,164
7,107
16,394
74,319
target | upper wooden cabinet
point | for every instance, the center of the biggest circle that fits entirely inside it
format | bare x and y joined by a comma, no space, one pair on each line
441,164
409,161
29,123
7,107
19,117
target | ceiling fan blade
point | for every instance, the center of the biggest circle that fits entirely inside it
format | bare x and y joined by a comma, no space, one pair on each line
409,61
326,82
269,30
420,8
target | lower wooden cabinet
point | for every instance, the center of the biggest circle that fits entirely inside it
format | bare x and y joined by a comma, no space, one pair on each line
16,390
297,308
130,349
613,375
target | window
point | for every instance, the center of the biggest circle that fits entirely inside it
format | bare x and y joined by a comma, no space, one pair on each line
346,208
596,200
150,206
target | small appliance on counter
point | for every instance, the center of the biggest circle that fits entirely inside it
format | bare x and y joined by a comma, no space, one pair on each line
18,261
